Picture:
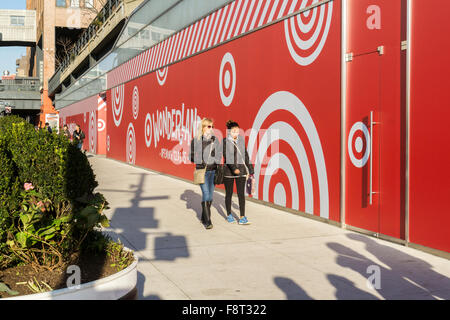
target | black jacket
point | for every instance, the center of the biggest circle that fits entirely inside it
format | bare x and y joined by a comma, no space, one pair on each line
236,159
78,137
200,152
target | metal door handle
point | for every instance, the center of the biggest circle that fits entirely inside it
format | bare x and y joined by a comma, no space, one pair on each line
372,123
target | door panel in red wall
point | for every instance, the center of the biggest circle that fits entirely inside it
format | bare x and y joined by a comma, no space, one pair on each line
363,145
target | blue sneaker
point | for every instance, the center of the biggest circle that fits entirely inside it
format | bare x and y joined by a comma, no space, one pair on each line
243,221
230,218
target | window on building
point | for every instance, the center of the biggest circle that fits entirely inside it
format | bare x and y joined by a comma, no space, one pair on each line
75,3
89,3
61,3
17,20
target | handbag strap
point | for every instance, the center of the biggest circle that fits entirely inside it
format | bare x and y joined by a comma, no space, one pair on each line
243,158
210,152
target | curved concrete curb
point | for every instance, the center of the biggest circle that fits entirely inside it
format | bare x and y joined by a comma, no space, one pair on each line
121,285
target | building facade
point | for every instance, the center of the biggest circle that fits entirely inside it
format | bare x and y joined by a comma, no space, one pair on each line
55,19
342,103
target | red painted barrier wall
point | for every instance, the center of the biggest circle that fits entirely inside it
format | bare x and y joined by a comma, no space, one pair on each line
430,96
272,80
374,79
90,114
282,84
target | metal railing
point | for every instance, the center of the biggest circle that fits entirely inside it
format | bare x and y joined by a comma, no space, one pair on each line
89,33
20,85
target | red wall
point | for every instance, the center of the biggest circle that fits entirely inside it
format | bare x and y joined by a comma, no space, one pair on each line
372,24
430,112
90,114
273,88
268,81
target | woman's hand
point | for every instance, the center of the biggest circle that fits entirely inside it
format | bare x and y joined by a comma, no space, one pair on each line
237,171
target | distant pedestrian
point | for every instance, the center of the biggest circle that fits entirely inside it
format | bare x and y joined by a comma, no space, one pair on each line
237,168
48,128
66,132
78,137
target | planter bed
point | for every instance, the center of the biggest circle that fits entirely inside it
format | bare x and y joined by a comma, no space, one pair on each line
99,280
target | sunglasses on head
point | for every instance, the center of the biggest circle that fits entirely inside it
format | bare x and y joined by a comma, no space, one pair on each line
209,127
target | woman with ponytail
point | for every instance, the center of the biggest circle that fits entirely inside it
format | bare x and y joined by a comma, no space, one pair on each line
237,168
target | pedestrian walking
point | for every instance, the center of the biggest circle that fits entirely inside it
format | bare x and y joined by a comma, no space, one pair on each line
237,168
66,132
205,153
78,137
48,128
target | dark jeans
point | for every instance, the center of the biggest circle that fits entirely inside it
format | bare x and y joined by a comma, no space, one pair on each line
208,186
240,186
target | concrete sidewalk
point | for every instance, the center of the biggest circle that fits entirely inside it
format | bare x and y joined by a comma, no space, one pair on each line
278,256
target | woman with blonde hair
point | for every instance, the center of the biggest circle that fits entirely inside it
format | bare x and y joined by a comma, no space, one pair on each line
206,154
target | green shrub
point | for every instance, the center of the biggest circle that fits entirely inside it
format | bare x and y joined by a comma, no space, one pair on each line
47,204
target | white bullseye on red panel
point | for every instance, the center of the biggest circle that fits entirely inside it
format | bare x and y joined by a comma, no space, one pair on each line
161,75
101,125
93,132
148,130
359,144
131,144
306,33
135,102
118,97
283,131
227,79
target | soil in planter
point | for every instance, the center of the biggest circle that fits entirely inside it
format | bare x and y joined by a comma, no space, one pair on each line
92,267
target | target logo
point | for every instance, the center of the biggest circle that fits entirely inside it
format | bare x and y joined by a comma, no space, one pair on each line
161,75
93,132
135,103
295,173
227,79
108,143
117,104
131,144
307,32
359,144
101,125
148,130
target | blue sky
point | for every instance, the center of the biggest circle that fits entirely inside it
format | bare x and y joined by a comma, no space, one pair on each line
8,55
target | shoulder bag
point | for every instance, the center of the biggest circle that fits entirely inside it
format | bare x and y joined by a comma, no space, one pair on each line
199,174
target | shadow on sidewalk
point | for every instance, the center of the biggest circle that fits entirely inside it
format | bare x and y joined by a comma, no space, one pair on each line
134,219
403,276
291,289
194,202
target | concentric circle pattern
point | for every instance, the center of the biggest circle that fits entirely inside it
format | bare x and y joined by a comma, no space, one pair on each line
117,104
306,33
359,144
227,79
131,144
279,174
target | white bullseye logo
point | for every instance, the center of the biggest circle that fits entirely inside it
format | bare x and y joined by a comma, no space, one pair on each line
291,167
148,130
93,132
101,125
117,104
306,33
131,144
161,75
359,141
135,103
227,79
